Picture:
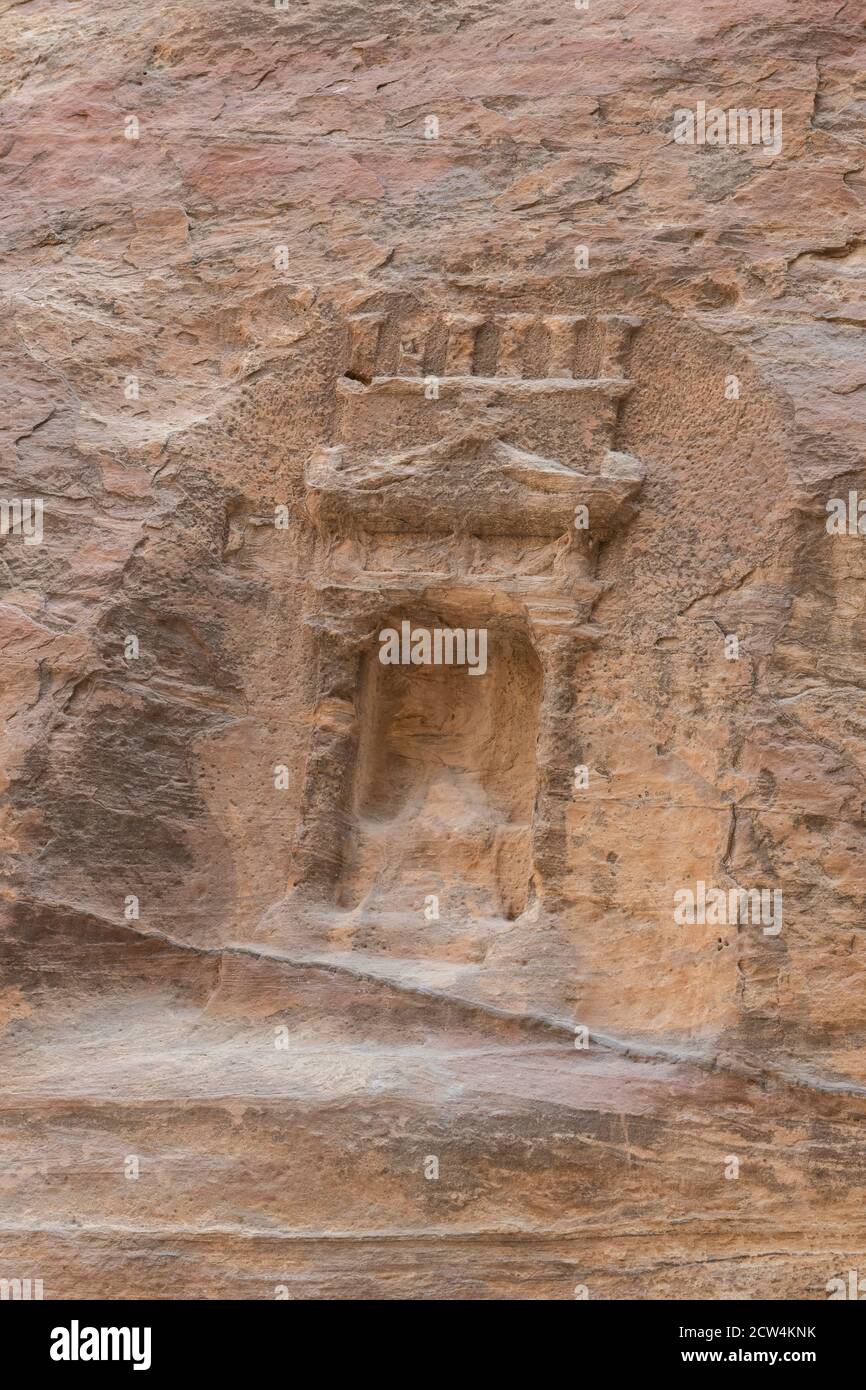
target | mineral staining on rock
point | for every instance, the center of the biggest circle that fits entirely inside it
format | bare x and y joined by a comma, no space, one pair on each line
327,329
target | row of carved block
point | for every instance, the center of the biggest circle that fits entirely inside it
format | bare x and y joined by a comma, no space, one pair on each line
459,335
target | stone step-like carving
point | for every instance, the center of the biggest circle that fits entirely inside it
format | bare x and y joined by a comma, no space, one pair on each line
461,333
561,332
617,332
363,351
460,352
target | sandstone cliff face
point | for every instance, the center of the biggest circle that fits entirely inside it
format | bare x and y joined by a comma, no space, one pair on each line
324,977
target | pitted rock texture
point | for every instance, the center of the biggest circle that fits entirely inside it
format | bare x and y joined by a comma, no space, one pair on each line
290,363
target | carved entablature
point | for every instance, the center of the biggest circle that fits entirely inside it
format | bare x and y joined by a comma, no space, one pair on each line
482,449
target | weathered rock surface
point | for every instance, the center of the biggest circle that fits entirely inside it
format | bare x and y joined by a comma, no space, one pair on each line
291,364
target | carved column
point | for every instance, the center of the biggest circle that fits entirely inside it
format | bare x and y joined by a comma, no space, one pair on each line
558,746
320,840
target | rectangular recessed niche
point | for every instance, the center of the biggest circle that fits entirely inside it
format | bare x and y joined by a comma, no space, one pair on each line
444,784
